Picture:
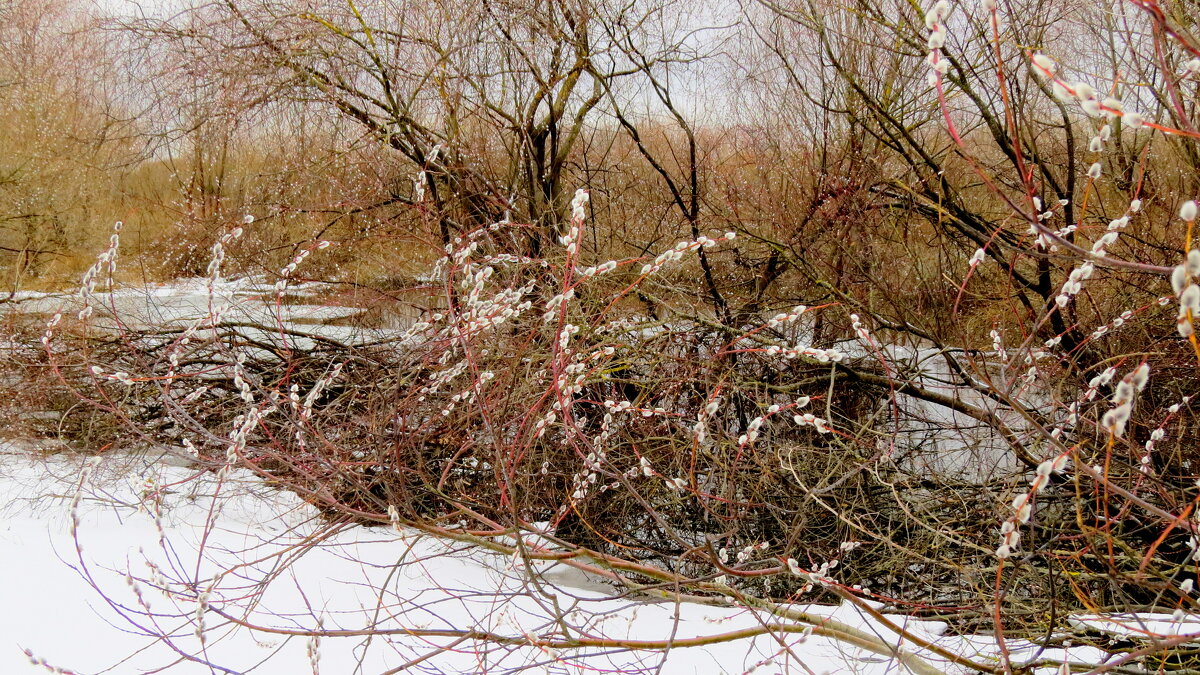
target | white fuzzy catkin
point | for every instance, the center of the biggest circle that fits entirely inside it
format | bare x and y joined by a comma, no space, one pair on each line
1179,279
1189,301
1188,211
1045,65
578,203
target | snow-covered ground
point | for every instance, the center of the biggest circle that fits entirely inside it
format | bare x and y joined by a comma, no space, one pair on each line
352,579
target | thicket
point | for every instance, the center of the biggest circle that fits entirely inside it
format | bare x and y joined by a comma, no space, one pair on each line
914,324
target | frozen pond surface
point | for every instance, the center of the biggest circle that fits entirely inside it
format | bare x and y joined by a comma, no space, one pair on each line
186,301
929,438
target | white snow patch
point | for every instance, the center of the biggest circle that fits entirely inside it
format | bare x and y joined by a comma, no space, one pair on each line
353,577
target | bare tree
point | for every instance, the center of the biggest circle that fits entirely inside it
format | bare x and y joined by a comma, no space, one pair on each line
484,102
63,133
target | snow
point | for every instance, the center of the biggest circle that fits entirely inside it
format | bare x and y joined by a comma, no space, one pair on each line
1143,625
354,577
